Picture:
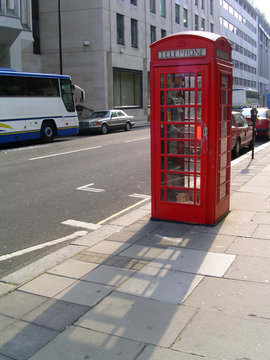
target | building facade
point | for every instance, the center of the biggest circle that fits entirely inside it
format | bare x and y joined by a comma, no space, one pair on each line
105,43
15,31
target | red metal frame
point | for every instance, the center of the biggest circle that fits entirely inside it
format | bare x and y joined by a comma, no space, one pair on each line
190,85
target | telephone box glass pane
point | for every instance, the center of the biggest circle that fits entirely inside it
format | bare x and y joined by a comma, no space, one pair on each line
175,114
175,97
181,131
162,81
175,81
199,80
224,97
180,196
180,147
175,163
199,97
199,114
224,80
162,115
162,98
180,180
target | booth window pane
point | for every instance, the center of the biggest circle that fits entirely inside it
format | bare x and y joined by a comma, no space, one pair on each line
162,114
180,147
180,180
224,97
162,163
198,165
162,179
162,81
224,80
162,147
199,114
181,131
222,191
180,196
198,197
175,80
198,181
223,144
175,97
162,98
199,97
162,131
199,80
162,194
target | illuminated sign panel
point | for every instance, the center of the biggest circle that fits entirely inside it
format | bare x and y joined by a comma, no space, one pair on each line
182,53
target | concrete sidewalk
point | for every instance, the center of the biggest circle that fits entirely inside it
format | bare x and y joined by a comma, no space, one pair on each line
147,290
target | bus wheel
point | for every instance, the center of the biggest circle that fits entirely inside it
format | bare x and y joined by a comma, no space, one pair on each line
48,131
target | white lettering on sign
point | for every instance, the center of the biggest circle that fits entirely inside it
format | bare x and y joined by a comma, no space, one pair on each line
182,53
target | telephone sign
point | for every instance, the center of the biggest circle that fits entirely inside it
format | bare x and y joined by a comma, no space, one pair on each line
191,90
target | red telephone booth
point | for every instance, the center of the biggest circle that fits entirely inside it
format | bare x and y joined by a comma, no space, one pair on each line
191,97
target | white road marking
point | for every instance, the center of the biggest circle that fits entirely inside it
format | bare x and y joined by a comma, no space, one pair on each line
41,246
65,153
140,196
89,188
81,224
128,141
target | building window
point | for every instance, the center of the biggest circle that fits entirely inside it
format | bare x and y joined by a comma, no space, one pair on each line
153,6
35,25
185,18
134,33
212,27
196,2
127,88
133,2
202,24
163,33
163,8
177,14
153,34
196,22
120,29
203,4
211,7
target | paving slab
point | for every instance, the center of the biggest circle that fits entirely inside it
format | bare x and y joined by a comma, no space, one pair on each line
249,201
78,343
97,235
73,268
18,303
225,336
262,231
250,247
125,236
130,218
20,340
5,321
193,261
225,227
172,229
142,252
232,296
161,284
250,268
55,314
109,247
84,293
108,275
47,285
262,218
138,319
5,288
159,353
192,239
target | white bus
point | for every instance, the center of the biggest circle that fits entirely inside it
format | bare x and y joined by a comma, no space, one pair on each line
242,98
36,106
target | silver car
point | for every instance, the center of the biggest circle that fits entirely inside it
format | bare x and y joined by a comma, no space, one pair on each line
105,120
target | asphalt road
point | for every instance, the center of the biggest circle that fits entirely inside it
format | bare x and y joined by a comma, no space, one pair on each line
46,187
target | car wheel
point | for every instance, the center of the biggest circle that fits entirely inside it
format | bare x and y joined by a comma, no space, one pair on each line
237,148
47,132
127,126
104,129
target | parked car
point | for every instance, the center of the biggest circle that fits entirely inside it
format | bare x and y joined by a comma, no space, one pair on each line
262,123
105,120
241,132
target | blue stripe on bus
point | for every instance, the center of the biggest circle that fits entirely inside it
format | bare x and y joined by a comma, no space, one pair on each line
40,118
12,72
35,134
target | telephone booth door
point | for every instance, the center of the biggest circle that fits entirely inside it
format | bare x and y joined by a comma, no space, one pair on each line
181,133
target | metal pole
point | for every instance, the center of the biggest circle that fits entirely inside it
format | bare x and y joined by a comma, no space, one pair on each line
60,38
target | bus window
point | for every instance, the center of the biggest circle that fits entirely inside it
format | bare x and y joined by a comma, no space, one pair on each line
67,94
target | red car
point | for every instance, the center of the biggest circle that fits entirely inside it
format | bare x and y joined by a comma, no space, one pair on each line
241,132
262,123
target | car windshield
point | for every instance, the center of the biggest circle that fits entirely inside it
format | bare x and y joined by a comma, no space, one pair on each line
100,114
